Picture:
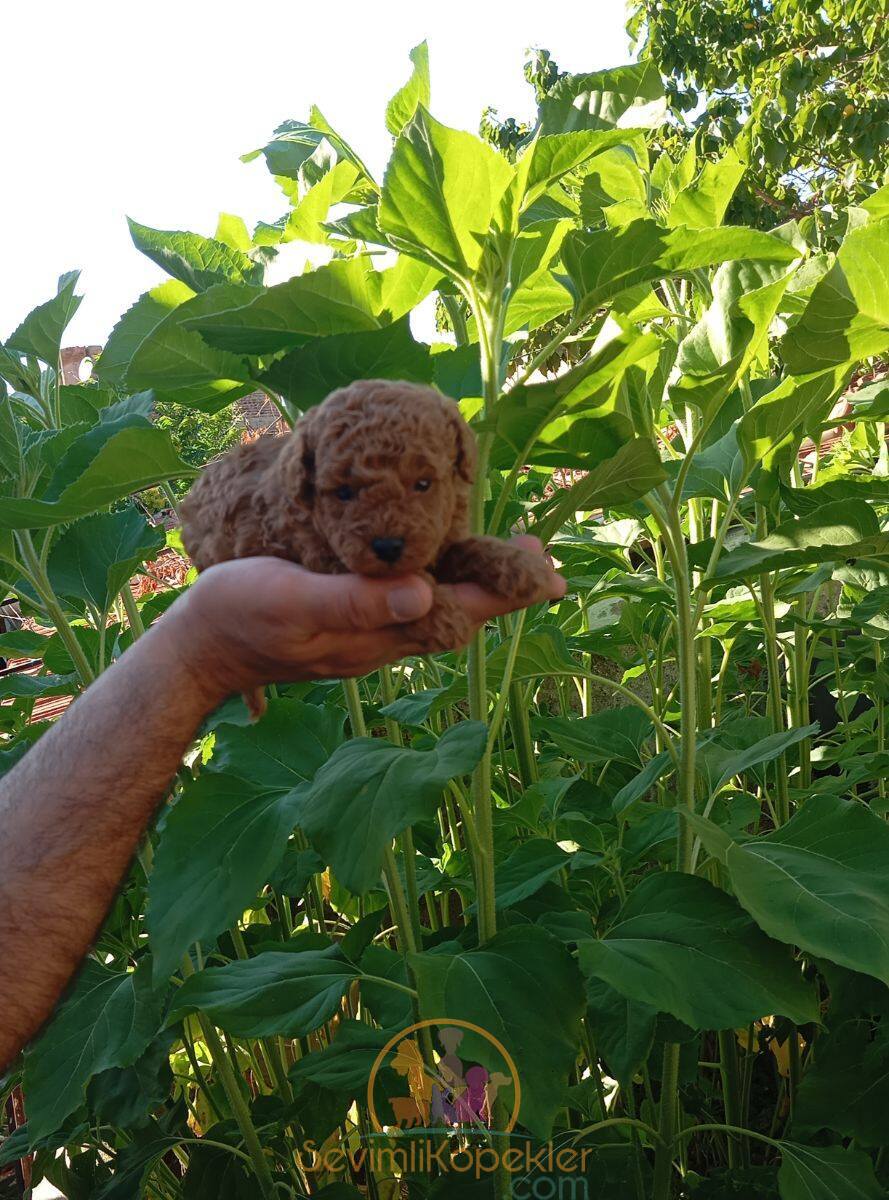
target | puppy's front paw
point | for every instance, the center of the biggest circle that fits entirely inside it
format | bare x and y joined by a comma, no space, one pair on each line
500,567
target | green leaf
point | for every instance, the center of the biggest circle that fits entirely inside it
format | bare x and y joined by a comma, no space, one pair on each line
702,203
10,439
641,783
528,868
507,988
110,461
805,500
417,707
839,531
847,317
292,875
731,335
232,231
196,261
345,296
872,613
716,471
218,845
344,1065
541,652
308,374
870,403
275,992
306,220
171,356
134,326
779,418
370,790
404,103
95,557
818,882
723,766
683,947
606,262
613,177
536,295
623,1029
215,1174
549,158
125,1096
440,193
571,420
846,1089
23,643
629,474
42,330
107,1021
826,1173
628,96
282,750
28,686
616,733
21,375
292,144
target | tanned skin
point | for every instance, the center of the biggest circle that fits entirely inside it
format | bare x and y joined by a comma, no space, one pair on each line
74,809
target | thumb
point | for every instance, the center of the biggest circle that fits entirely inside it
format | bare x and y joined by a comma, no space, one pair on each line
354,602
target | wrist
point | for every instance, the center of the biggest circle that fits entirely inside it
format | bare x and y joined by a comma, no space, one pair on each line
187,650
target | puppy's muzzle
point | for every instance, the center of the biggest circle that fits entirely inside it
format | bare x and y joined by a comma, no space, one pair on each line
388,549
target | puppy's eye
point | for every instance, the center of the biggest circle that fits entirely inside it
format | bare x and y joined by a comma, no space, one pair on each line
422,485
345,492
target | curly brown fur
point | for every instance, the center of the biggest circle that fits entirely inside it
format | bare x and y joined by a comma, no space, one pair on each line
377,464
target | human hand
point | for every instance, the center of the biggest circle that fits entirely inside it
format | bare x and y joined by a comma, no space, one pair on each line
253,621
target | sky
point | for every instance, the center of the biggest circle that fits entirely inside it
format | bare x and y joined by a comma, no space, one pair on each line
142,109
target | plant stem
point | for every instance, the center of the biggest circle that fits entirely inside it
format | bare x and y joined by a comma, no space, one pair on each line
489,317
132,611
54,610
663,1157
235,1096
731,1089
881,725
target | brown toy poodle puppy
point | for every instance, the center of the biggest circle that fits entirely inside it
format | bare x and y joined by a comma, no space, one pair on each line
376,480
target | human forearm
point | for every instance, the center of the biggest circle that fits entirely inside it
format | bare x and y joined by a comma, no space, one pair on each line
72,813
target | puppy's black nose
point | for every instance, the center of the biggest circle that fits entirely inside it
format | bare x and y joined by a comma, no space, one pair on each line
388,548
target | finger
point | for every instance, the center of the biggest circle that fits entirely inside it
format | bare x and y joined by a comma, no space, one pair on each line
353,602
480,605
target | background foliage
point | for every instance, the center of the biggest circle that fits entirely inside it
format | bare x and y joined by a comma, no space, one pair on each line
641,834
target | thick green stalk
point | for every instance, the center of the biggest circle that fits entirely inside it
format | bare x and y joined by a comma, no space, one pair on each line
731,1091
775,698
132,610
393,729
881,726
490,325
663,1155
520,727
687,661
235,1096
800,677
54,610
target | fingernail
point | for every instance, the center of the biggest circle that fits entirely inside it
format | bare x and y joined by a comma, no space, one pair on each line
408,601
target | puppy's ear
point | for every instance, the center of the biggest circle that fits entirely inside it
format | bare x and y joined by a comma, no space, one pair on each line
466,451
295,469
